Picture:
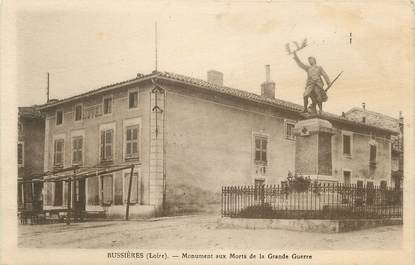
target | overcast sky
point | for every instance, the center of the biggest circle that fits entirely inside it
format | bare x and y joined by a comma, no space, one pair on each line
85,47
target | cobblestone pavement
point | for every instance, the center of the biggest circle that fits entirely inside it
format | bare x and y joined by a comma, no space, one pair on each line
198,232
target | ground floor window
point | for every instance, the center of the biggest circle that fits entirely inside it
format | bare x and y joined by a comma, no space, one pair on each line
118,189
58,194
137,188
93,193
113,189
106,189
48,200
19,194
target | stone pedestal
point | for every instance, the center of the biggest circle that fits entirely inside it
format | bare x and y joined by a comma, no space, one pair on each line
313,148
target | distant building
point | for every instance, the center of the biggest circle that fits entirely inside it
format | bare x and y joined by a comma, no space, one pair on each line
188,137
30,148
387,122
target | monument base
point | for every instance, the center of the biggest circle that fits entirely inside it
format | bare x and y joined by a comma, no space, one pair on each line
313,147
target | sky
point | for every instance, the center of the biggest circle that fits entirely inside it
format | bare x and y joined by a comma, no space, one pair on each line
88,45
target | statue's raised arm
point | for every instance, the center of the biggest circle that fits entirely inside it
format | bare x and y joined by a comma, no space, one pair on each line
299,62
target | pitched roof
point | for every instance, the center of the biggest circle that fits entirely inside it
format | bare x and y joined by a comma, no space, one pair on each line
373,118
186,80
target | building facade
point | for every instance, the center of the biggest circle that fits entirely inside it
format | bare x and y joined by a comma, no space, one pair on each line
30,148
397,143
189,137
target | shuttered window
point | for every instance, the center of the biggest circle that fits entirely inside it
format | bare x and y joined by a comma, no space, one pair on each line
260,150
58,153
106,189
347,150
77,145
107,145
131,142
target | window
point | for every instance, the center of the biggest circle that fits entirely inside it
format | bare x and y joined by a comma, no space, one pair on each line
19,194
58,195
106,145
20,154
59,117
383,184
107,105
346,176
131,142
118,189
78,112
289,130
359,184
20,128
372,155
347,148
27,192
133,99
77,145
137,188
259,189
58,153
106,189
260,150
369,185
93,195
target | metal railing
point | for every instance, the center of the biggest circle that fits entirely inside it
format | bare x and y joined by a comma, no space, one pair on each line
317,201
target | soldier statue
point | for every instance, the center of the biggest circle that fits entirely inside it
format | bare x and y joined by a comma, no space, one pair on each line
314,86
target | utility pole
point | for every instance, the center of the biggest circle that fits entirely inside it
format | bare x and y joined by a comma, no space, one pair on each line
155,44
47,88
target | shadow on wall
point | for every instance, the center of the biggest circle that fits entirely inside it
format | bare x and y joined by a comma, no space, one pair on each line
183,199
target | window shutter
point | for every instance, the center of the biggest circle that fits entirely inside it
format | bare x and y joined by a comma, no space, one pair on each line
102,145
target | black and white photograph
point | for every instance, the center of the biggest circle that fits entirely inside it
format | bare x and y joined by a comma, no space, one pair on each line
210,132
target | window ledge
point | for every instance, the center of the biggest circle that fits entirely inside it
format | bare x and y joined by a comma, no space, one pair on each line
106,162
349,156
128,159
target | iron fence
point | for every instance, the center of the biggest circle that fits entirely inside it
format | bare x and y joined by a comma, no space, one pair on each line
317,201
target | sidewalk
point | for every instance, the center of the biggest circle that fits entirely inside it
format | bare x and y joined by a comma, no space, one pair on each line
197,232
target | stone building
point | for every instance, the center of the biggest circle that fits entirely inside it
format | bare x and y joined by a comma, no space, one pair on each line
381,120
189,137
30,147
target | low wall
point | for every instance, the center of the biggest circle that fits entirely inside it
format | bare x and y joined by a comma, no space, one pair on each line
310,225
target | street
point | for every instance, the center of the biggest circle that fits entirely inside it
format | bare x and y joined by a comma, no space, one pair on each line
197,232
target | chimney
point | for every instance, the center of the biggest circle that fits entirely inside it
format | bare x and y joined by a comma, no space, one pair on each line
364,112
268,87
401,121
215,77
